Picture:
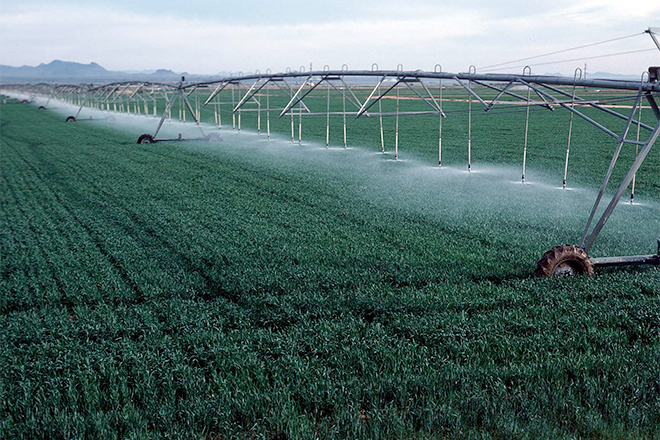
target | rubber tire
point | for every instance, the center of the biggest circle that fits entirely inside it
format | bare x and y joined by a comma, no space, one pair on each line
214,137
564,260
71,119
146,139
41,107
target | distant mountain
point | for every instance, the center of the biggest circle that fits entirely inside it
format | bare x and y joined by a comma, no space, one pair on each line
54,69
65,68
165,73
71,72
605,75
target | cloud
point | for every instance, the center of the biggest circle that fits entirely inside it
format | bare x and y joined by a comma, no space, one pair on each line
419,36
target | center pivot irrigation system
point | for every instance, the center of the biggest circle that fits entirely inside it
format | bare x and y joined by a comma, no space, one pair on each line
493,92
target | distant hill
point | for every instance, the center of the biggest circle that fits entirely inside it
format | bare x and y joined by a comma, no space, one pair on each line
165,73
605,75
71,72
64,68
602,75
55,70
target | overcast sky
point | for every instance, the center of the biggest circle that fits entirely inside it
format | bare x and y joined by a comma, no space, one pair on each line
244,35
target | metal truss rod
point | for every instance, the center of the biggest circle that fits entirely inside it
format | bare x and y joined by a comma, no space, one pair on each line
246,97
570,128
121,94
192,112
289,91
109,94
343,92
371,95
582,115
624,185
217,90
380,96
499,95
434,106
356,103
653,104
136,91
652,32
610,169
255,91
293,101
252,98
166,113
469,90
594,105
545,102
506,92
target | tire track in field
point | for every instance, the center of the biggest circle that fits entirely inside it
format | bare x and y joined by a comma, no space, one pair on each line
56,228
206,266
214,288
11,192
94,236
10,234
56,278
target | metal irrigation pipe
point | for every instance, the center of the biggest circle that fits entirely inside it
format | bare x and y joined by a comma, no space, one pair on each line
438,68
344,67
302,69
570,125
639,121
472,70
327,120
529,91
380,110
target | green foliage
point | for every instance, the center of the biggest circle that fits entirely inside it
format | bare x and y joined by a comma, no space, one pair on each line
253,291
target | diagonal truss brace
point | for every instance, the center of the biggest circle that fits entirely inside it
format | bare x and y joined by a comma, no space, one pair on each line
615,157
471,92
597,106
217,90
250,95
404,79
624,185
294,98
577,112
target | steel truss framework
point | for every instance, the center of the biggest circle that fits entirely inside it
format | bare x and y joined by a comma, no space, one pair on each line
545,92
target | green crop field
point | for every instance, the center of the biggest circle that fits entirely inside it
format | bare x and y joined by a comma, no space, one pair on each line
256,289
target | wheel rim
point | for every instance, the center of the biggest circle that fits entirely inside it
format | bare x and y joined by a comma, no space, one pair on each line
567,268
